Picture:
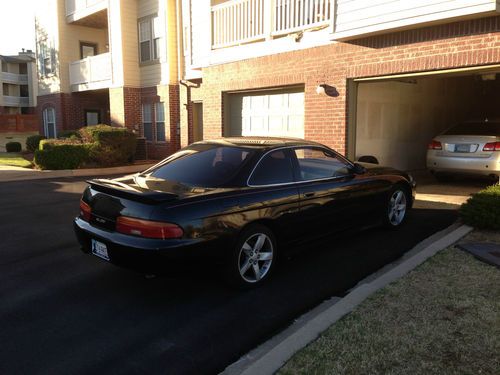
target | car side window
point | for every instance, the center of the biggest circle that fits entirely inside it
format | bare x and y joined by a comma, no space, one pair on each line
274,168
316,163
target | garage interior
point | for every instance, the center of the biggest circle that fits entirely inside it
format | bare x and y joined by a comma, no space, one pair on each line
397,117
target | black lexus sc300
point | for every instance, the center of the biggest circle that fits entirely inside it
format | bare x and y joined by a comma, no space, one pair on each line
237,202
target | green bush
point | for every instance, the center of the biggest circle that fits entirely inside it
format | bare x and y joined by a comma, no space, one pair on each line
110,145
33,142
482,210
61,155
13,147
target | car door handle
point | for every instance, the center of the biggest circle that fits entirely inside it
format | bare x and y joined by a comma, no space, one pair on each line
309,194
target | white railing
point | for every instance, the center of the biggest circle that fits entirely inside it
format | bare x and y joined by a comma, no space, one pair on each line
91,70
16,101
239,21
20,79
73,6
295,15
242,21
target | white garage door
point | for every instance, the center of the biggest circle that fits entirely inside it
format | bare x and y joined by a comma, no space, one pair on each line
267,114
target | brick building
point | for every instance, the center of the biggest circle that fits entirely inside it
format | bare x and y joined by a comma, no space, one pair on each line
109,62
364,77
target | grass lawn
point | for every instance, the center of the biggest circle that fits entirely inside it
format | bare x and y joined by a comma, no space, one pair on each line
442,318
14,159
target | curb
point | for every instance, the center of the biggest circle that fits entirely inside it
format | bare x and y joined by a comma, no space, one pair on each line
273,354
38,175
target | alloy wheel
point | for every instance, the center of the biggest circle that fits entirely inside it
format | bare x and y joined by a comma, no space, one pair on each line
255,257
397,208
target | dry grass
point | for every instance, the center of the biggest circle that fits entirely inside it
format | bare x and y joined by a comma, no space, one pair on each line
442,318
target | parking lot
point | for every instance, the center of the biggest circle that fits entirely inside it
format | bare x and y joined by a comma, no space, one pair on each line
66,312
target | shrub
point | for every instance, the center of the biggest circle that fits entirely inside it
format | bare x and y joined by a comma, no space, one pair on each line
58,154
482,210
13,147
110,145
33,142
72,134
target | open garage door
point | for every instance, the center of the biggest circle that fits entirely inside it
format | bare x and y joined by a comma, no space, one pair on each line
397,116
266,113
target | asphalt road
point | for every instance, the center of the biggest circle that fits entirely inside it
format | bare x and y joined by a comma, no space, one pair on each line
64,312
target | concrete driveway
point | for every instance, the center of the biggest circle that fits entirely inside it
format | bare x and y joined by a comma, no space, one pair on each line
65,312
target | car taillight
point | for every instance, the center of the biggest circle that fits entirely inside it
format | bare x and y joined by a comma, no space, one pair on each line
85,211
147,228
492,146
435,145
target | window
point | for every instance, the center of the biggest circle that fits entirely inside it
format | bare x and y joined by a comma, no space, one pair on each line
204,165
149,39
316,163
147,122
475,128
49,122
46,59
160,122
92,117
274,168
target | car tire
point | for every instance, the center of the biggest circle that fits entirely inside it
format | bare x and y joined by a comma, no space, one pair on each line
396,208
252,259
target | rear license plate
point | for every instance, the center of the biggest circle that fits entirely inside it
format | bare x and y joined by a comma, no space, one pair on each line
462,148
99,249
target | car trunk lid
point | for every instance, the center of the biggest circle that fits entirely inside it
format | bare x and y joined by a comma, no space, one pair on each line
465,145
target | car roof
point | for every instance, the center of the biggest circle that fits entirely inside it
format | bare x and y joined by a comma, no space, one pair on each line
261,142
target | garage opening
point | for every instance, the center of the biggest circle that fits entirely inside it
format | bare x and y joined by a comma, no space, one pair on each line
278,112
396,117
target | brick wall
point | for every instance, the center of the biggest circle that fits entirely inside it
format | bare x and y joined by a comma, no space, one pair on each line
453,45
70,108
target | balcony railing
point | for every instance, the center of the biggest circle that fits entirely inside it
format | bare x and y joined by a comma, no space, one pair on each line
243,21
19,79
91,73
73,6
16,101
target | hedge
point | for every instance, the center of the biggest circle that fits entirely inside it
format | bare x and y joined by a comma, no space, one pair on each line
110,145
482,210
13,147
61,155
33,142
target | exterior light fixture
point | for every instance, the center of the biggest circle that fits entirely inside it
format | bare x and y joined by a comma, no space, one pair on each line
320,89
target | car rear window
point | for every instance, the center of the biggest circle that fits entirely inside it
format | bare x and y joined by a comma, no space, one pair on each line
203,165
475,128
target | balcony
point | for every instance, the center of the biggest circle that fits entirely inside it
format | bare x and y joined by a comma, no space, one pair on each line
14,78
243,21
16,101
90,73
90,13
355,18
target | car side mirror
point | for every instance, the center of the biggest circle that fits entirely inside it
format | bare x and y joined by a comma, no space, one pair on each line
358,168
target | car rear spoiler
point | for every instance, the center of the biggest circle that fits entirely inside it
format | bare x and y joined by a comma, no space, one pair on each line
129,192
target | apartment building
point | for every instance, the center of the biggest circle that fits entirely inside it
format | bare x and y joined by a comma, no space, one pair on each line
18,83
111,62
366,77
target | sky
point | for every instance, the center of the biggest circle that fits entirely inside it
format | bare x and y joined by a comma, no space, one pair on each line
17,26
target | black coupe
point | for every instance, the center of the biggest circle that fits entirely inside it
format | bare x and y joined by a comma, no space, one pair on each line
240,202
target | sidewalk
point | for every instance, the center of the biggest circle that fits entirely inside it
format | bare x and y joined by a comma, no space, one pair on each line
8,173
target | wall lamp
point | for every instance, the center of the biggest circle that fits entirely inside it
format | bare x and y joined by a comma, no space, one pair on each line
324,89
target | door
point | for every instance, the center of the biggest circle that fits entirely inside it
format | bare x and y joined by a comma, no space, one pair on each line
87,49
92,117
275,113
197,121
332,197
